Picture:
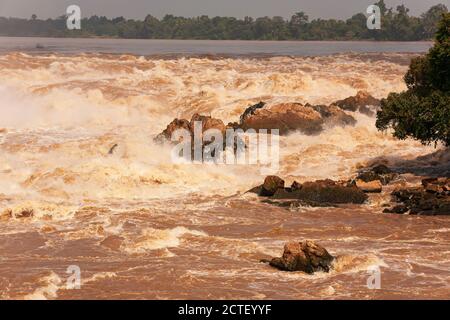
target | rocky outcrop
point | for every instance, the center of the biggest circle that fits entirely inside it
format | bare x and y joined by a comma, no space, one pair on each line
317,193
306,256
288,117
334,115
176,124
207,123
285,117
271,185
362,102
432,198
379,172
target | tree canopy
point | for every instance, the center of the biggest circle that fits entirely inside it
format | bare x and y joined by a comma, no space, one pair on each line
423,111
397,24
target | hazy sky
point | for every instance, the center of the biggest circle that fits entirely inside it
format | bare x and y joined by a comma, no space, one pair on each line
237,8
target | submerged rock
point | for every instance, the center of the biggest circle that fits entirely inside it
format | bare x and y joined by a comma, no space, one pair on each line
306,256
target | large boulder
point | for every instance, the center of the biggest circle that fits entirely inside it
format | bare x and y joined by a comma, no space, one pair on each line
271,185
288,117
334,115
207,123
306,256
285,117
176,124
362,102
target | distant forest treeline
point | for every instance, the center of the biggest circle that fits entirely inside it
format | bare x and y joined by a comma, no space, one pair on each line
397,25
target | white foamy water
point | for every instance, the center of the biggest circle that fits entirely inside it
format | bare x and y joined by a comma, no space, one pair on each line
139,224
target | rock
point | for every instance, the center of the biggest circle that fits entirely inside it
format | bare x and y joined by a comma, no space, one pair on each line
250,111
400,209
436,185
335,116
324,191
176,124
369,187
288,117
381,169
319,193
207,123
432,198
271,185
296,186
361,102
379,172
306,256
285,117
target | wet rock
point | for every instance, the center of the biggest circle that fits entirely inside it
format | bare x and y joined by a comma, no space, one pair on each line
399,209
306,256
285,117
379,172
362,102
369,187
432,198
288,117
250,111
335,116
176,124
436,185
207,123
271,185
317,193
329,191
296,186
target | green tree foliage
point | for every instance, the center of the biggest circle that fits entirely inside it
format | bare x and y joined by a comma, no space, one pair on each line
397,25
423,111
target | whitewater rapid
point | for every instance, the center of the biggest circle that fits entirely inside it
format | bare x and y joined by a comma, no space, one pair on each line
127,217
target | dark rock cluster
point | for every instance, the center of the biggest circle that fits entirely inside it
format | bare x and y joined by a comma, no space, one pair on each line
432,198
314,193
306,256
